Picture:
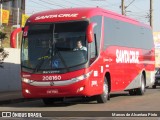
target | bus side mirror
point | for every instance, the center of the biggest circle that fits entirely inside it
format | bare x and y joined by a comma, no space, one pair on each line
13,37
90,33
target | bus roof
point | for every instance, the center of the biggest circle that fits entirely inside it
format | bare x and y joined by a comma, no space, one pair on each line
71,14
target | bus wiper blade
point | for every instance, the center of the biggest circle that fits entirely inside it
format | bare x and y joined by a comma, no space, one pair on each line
64,63
39,65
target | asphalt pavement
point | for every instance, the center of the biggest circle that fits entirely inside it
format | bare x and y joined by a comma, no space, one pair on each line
11,97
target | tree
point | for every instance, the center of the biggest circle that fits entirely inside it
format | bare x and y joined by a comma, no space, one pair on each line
2,37
3,53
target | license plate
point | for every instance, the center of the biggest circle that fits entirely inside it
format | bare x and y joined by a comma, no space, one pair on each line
52,91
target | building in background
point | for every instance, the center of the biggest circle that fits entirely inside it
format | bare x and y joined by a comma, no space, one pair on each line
12,6
12,15
156,36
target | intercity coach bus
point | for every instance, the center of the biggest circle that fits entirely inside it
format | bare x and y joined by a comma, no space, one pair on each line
118,55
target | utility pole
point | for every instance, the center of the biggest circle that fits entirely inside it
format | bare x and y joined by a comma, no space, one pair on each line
151,13
17,26
1,13
122,7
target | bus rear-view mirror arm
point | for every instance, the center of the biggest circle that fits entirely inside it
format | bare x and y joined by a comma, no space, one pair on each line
90,32
14,36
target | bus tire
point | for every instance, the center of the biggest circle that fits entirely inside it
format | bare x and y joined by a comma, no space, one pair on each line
154,86
102,98
141,90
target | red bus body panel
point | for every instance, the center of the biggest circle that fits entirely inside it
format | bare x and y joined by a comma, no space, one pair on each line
105,63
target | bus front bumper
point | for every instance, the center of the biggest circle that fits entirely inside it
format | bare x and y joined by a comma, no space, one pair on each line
54,91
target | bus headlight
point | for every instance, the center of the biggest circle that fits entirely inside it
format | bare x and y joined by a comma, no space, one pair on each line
27,80
82,77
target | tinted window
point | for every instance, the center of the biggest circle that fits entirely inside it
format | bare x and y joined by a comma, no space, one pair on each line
93,53
54,46
125,34
97,29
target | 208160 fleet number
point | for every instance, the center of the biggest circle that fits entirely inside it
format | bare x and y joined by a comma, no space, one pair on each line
58,77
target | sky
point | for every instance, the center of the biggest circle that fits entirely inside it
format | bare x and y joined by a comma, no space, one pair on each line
137,9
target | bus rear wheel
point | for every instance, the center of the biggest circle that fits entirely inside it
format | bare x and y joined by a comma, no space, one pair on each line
141,90
102,98
154,86
49,101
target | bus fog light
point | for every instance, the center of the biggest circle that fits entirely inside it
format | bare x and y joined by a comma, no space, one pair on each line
27,91
80,89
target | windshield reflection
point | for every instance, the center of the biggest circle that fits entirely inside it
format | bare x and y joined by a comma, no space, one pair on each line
55,46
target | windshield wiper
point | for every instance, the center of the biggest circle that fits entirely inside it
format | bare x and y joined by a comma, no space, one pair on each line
64,63
39,65
56,51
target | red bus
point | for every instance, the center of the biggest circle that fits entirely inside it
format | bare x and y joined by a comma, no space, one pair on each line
84,52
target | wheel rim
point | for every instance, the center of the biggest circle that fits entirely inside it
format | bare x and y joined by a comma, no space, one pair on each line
142,85
105,90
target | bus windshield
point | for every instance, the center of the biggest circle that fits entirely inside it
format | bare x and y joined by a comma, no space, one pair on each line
55,46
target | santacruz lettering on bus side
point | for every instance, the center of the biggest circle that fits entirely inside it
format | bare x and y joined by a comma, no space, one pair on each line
125,56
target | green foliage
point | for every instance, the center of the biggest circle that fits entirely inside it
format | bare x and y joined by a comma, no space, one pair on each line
3,54
3,35
1,50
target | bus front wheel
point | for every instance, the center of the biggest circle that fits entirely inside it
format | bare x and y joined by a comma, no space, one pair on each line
102,98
